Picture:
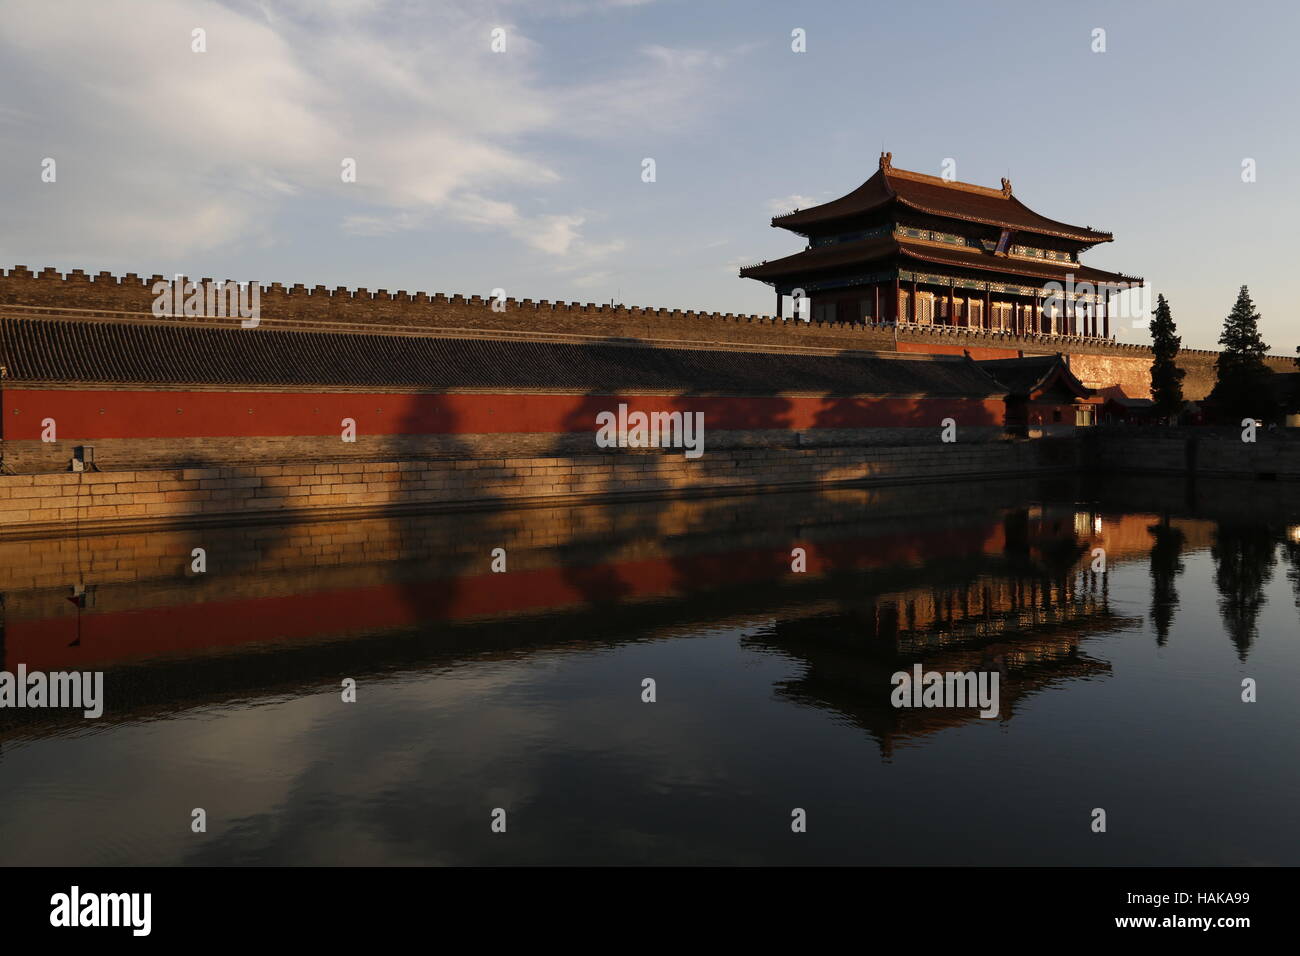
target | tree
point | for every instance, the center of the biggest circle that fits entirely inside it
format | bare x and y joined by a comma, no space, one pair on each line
1243,388
1292,398
1166,376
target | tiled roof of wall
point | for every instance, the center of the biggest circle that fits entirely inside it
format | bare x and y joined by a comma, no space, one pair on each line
117,353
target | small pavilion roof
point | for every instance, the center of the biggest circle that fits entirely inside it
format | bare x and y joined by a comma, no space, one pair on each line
1031,376
939,197
1127,402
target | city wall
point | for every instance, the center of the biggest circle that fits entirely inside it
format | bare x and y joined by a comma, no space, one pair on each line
1110,366
1195,452
259,476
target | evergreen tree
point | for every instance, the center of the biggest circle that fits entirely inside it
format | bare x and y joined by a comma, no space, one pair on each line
1166,376
1243,387
1292,399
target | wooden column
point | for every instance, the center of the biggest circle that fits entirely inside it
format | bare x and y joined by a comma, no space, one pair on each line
1105,318
988,309
780,304
875,316
895,307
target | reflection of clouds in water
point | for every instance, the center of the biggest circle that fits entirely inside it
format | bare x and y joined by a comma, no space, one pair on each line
125,793
562,742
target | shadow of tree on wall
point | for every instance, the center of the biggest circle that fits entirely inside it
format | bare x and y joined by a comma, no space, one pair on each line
590,559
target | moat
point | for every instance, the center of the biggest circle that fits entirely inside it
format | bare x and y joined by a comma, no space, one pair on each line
523,689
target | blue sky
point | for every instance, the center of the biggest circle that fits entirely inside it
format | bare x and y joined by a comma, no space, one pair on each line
522,170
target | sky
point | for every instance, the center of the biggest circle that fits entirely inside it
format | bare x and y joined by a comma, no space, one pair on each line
522,169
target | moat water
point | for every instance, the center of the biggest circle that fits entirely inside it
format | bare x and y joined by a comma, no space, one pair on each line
523,690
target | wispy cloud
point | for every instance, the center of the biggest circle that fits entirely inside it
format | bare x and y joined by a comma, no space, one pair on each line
162,150
787,203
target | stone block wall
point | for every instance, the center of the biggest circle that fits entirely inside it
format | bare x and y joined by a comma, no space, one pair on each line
1211,452
116,454
40,503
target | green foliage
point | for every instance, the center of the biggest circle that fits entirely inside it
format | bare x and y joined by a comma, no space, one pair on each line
1166,376
1243,388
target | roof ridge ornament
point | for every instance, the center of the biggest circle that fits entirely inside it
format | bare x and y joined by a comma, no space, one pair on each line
1006,187
886,161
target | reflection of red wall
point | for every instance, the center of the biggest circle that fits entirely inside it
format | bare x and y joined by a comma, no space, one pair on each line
86,414
121,636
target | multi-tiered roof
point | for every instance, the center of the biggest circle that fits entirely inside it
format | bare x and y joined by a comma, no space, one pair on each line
899,220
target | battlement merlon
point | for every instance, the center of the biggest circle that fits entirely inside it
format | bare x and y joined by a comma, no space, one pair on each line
130,297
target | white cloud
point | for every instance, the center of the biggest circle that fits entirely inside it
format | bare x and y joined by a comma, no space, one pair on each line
786,204
591,280
164,151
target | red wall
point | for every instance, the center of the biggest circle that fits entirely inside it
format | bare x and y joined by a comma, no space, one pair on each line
88,414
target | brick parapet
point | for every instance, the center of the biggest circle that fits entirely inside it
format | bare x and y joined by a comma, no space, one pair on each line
130,297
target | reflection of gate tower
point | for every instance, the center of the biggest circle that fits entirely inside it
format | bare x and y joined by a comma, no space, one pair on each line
1025,620
910,248
850,673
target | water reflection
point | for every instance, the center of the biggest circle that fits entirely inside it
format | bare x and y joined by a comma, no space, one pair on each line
1244,556
1167,543
223,686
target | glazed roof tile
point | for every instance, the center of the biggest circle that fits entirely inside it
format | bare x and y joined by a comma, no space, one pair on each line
1029,374
936,196
881,249
123,354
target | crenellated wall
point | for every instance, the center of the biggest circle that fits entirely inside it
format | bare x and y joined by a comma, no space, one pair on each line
1112,367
